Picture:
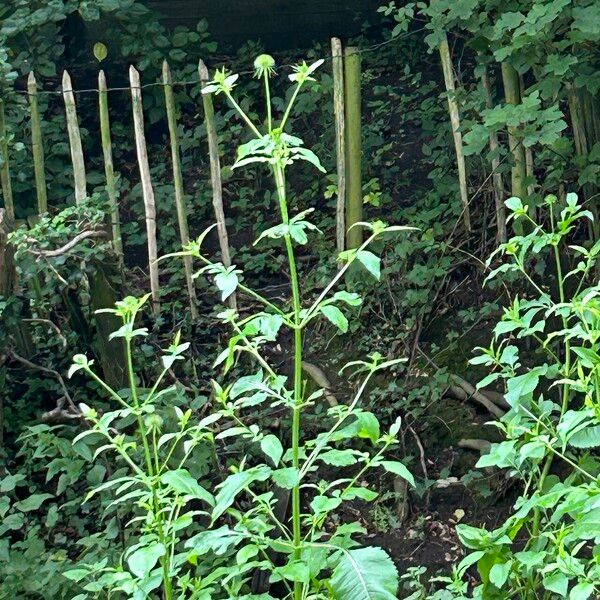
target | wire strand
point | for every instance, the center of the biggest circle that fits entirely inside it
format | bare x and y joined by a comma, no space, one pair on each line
184,83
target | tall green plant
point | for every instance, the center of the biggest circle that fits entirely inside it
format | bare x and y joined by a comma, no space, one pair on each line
549,547
357,574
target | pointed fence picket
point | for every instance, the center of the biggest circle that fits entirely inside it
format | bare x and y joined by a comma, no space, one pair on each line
346,75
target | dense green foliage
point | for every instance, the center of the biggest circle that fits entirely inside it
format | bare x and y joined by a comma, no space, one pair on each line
527,78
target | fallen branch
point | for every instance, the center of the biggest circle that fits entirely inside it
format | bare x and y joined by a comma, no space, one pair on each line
483,446
97,233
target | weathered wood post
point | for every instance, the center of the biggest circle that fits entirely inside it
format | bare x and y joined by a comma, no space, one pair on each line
353,143
5,167
37,146
109,171
340,141
74,139
182,220
455,122
215,173
147,191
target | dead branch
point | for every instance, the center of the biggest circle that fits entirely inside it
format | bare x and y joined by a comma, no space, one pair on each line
96,233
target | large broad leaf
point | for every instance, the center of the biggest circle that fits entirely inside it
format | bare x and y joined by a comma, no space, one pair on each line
365,574
142,561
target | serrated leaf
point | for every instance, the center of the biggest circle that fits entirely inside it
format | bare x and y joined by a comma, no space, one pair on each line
335,316
142,561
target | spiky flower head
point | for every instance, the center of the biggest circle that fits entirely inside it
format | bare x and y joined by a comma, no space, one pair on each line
264,64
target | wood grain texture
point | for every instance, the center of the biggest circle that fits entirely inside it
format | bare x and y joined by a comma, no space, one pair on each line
5,167
147,190
340,141
109,171
182,219
37,146
79,178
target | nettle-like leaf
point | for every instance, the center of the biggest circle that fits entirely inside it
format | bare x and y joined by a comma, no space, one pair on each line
371,262
183,483
365,574
143,560
335,316
234,484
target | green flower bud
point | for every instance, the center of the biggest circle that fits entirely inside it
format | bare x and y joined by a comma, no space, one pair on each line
264,64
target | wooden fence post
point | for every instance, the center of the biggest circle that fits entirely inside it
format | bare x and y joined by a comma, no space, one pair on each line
147,191
354,196
455,123
37,146
215,173
74,139
109,171
5,168
340,142
182,220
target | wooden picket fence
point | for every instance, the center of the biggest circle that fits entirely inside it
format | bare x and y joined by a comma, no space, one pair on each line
346,102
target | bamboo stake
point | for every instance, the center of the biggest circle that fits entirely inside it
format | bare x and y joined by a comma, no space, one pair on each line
497,179
109,171
512,95
5,168
74,139
182,220
37,146
340,142
215,173
147,191
353,154
455,122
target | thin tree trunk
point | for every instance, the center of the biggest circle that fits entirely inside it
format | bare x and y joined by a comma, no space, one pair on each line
455,122
147,191
215,173
497,180
512,95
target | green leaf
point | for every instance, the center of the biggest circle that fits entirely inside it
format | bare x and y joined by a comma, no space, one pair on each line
286,478
215,540
499,574
338,458
558,583
271,446
586,438
365,574
234,484
336,316
142,561
371,262
227,282
183,483
397,468
294,571
33,502
582,591
100,51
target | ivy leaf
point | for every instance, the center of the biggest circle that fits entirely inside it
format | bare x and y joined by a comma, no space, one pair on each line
365,574
33,502
336,316
371,262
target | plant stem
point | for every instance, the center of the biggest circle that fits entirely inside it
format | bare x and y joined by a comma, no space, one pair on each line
297,408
